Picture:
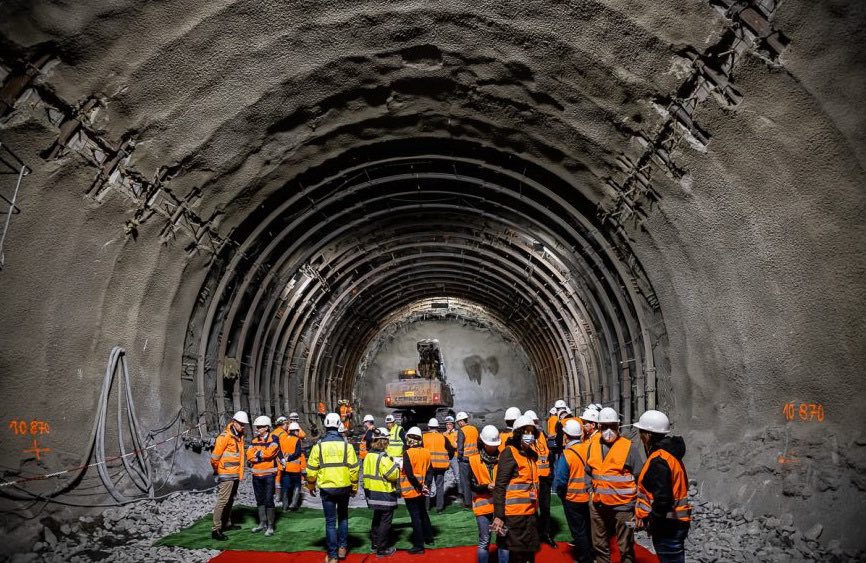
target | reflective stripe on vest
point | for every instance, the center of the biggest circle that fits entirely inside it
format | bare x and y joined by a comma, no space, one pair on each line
395,444
543,452
434,442
578,486
470,440
482,503
420,461
520,494
681,509
612,484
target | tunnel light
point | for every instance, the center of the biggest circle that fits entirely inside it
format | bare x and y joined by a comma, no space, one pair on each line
388,401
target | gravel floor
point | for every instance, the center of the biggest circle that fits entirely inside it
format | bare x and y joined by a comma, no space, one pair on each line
125,534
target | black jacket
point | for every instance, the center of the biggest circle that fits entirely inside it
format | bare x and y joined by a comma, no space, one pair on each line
659,483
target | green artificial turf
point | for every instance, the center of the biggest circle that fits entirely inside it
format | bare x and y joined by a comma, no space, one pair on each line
304,530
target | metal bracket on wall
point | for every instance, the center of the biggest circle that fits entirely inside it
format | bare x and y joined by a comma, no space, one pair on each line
10,167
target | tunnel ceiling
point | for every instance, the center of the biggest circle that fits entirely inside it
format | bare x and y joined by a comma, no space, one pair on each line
324,166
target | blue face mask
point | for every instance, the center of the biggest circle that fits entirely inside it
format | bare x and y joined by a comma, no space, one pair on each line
528,439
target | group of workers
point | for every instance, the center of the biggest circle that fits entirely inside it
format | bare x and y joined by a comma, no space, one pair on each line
506,476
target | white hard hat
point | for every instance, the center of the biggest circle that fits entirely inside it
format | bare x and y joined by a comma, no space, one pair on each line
242,417
449,419
332,420
560,404
607,414
512,413
589,415
572,428
552,410
369,418
414,431
381,432
433,423
462,416
531,414
521,422
389,418
490,435
281,419
294,426
262,421
654,421
294,416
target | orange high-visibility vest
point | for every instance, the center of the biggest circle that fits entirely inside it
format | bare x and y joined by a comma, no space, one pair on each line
551,424
281,434
362,447
270,448
482,503
470,440
521,495
296,465
227,456
577,489
504,435
434,442
682,510
420,459
451,436
543,452
612,484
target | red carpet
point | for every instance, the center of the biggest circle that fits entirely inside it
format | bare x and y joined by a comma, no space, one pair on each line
464,554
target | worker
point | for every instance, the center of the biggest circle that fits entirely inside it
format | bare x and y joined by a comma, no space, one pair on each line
367,438
453,464
227,462
482,479
263,456
441,452
292,467
294,417
663,508
612,464
467,445
415,479
396,437
589,424
572,485
515,494
550,433
281,432
333,467
321,410
381,477
511,414
545,481
346,414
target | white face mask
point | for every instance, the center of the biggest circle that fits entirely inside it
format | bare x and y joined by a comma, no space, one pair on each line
609,435
528,439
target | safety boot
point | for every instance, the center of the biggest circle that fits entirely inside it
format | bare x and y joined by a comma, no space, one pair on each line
262,520
271,516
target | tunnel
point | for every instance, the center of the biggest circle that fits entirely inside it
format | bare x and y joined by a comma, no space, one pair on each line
262,206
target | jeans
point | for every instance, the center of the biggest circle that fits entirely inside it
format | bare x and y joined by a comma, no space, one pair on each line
263,488
335,503
380,529
289,482
544,484
439,478
484,540
422,529
577,516
669,544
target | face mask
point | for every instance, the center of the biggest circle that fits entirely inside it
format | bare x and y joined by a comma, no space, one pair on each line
528,439
609,434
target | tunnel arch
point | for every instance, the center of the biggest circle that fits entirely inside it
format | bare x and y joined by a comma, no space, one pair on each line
519,230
